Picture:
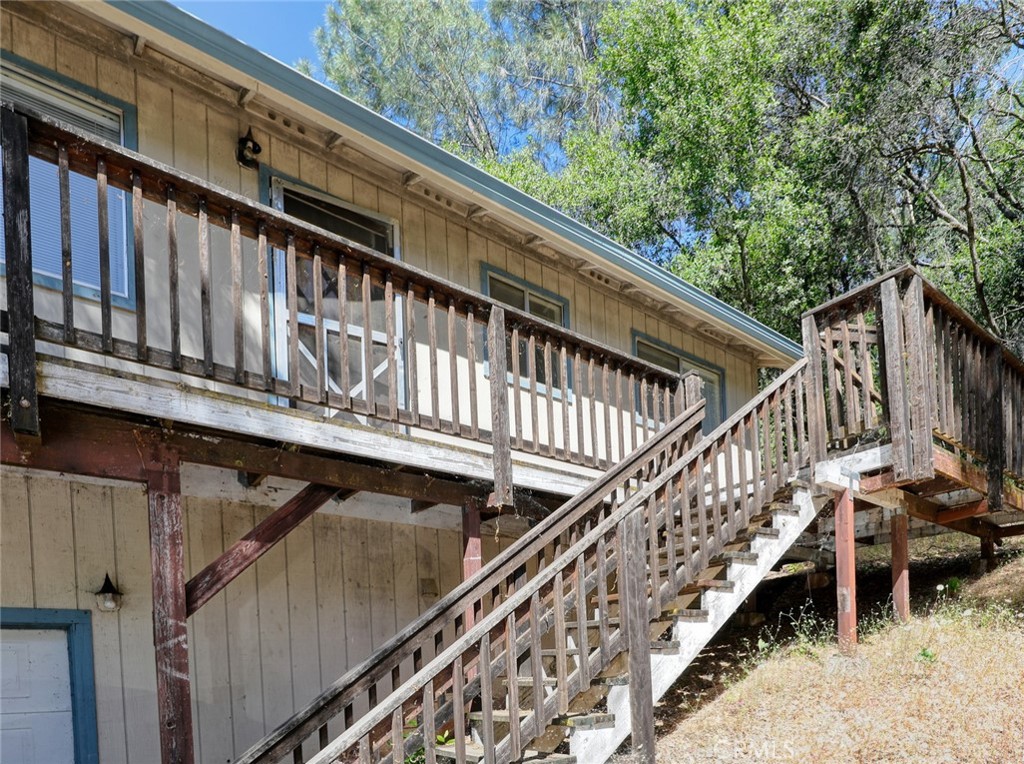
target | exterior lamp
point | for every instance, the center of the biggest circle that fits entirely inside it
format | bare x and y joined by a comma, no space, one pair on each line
248,150
108,598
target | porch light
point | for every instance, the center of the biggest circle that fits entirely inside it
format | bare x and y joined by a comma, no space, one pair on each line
248,150
108,598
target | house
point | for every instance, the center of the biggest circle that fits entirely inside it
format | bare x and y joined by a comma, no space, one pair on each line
291,395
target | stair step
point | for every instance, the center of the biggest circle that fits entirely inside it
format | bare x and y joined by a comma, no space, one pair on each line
614,621
665,646
780,508
688,615
588,721
475,753
552,652
498,715
619,680
762,531
527,681
740,558
703,584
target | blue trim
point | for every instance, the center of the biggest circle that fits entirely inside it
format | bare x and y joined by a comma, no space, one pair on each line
130,130
255,64
696,361
78,625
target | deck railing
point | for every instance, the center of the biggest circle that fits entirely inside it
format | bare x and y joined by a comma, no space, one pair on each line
350,332
898,362
642,552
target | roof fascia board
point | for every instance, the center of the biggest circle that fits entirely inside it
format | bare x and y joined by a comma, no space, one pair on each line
258,69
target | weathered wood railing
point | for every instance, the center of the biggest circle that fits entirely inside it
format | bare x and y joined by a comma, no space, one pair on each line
345,701
654,543
898,362
349,331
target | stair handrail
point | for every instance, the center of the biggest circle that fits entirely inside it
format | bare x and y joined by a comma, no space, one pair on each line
358,741
678,435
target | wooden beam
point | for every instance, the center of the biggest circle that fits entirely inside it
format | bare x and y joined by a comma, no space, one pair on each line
20,294
961,511
846,572
106,446
900,567
170,636
253,545
964,473
879,482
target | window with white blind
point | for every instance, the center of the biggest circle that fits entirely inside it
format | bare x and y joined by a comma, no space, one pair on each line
28,91
660,354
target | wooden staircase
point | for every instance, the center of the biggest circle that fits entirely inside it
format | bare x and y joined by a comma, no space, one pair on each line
575,630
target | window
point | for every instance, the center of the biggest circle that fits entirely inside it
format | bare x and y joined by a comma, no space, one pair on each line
364,228
104,121
537,302
659,354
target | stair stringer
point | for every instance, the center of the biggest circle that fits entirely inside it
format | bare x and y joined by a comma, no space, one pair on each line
596,747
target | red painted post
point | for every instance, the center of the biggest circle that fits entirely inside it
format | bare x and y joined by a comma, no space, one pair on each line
900,567
846,572
170,638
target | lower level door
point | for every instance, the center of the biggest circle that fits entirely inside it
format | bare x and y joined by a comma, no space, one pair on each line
36,720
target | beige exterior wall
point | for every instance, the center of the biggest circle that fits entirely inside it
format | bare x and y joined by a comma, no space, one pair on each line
313,606
193,123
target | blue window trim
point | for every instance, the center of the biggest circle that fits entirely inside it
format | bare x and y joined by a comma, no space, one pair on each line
130,129
487,270
696,361
78,625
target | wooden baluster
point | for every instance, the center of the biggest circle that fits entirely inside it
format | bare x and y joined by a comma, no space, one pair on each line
364,750
411,362
292,286
635,613
686,523
103,241
397,736
536,665
453,366
265,346
850,396
531,366
780,469
702,510
741,432
790,394
580,584
758,468
487,700
767,464
429,727
837,429
580,434
817,428
432,339
603,626
563,373
670,539
606,395
459,709
474,401
801,422
318,326
618,414
731,506
369,398
561,645
867,374
549,383
512,679
653,563
631,393
644,413
716,494
343,332
392,349
67,272
172,278
516,391
896,393
237,297
594,435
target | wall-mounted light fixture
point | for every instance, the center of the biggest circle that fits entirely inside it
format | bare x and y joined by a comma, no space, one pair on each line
108,598
248,150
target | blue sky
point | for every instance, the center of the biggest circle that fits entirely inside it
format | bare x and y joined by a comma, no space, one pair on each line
282,28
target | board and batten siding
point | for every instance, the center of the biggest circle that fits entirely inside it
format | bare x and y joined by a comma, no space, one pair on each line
314,605
193,123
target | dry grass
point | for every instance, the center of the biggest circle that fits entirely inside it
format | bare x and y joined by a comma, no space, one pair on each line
945,688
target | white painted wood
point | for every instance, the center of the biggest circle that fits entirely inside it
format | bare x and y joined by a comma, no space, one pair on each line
596,747
36,721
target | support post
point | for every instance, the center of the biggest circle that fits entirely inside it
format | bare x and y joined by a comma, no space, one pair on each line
18,254
501,444
988,554
895,382
472,550
816,425
633,547
170,638
846,572
900,566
